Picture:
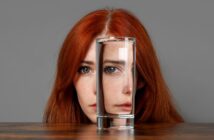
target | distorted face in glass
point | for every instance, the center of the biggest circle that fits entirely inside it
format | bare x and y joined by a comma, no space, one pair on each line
117,80
117,77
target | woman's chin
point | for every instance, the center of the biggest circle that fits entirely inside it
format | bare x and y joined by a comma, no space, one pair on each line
93,118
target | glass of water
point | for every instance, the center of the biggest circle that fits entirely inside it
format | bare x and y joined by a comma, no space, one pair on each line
115,82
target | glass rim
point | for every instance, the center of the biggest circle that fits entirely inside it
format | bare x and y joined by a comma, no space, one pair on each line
115,38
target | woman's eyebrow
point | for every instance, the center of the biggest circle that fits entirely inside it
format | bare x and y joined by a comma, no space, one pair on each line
121,62
87,62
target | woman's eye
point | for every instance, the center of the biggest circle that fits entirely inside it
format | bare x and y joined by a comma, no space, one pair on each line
84,70
110,69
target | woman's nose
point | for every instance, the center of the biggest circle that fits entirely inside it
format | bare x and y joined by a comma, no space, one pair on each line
128,84
94,83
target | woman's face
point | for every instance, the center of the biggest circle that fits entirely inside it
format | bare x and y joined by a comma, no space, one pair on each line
117,78
85,84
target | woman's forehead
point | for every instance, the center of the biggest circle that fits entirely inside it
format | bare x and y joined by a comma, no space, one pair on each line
91,54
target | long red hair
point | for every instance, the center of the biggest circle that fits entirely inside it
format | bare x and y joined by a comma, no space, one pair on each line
153,101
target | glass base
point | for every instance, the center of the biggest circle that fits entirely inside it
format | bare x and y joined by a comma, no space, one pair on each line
115,122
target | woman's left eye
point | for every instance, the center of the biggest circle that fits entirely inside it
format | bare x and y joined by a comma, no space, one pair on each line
84,70
110,69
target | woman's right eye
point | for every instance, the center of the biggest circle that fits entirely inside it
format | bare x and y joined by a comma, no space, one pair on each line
84,70
110,70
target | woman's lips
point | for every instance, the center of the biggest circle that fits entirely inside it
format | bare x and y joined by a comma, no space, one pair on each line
125,106
93,106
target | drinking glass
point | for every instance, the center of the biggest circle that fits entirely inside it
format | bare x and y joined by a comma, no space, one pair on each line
115,82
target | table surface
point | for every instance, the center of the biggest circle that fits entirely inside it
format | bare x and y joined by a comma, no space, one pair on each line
182,131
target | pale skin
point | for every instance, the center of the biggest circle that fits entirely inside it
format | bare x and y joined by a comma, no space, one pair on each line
117,77
85,82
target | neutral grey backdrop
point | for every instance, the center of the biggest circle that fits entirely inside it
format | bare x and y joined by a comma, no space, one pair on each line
31,33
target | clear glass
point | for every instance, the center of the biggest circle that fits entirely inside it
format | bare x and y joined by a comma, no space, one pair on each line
115,82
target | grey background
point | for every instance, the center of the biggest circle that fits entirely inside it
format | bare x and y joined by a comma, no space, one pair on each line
31,33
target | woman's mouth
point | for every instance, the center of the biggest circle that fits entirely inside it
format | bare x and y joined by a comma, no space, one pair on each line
93,106
127,107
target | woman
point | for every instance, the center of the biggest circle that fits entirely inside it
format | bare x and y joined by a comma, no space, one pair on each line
73,98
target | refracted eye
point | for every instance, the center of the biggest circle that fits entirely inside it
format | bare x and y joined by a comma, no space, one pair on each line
110,69
84,70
